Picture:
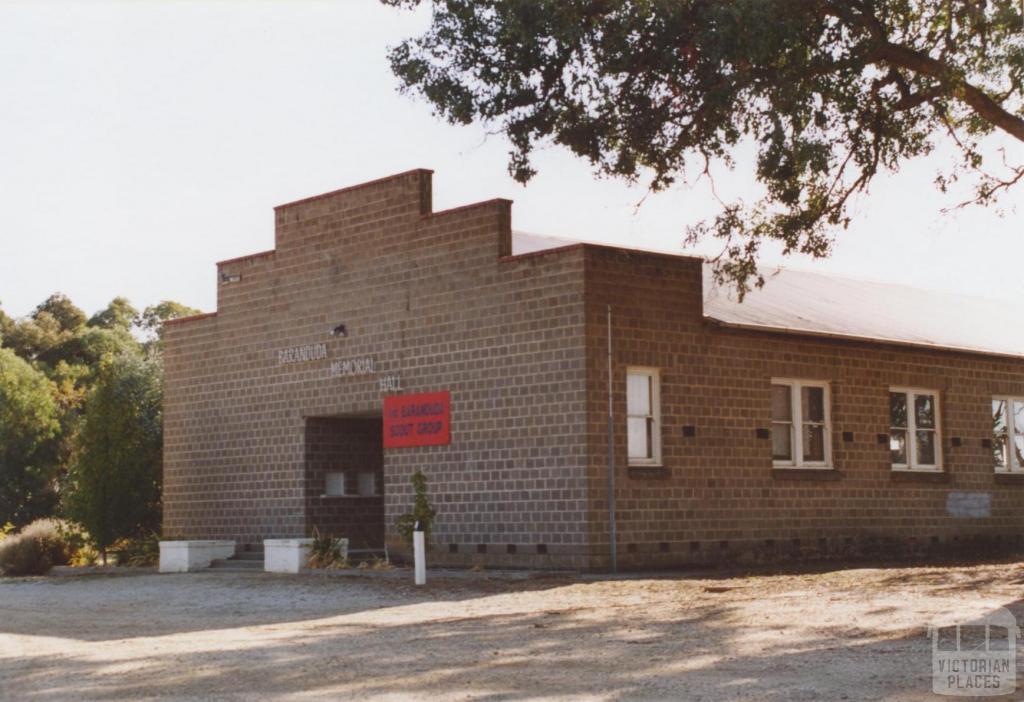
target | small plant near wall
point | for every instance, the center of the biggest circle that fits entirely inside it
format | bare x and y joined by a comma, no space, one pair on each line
421,512
326,551
139,552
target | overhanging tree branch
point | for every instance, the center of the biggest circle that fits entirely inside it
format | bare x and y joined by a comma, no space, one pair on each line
955,85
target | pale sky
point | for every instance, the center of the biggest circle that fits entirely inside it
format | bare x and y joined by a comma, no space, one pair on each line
140,142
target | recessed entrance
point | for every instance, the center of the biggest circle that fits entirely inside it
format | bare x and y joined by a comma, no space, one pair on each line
345,479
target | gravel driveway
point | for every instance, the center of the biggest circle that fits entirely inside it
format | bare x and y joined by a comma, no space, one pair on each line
844,634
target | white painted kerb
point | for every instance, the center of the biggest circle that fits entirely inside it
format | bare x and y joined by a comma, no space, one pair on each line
188,556
286,555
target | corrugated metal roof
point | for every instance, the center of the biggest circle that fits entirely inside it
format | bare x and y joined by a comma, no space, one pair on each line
802,302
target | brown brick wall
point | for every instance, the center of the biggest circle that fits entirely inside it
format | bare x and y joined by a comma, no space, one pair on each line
426,296
436,301
717,495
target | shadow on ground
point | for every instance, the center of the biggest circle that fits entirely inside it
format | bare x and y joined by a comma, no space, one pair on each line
252,637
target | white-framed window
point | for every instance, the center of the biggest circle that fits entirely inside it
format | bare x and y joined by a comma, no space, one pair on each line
334,484
1008,434
643,416
367,483
801,424
915,438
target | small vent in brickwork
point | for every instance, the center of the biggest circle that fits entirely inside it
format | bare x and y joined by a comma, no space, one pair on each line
763,433
956,441
542,549
453,548
847,436
510,548
481,548
689,431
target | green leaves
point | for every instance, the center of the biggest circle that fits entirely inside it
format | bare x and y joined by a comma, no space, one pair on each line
28,431
832,93
114,481
80,408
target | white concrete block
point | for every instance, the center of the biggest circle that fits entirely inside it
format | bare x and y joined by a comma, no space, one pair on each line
286,555
189,556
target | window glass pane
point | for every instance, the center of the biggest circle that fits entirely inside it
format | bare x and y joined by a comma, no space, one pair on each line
335,484
1018,433
367,483
999,416
782,411
999,439
926,448
639,446
898,446
897,409
814,442
924,410
812,404
782,444
638,394
1001,451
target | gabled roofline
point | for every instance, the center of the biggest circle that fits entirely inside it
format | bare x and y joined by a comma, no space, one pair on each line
191,318
237,259
378,181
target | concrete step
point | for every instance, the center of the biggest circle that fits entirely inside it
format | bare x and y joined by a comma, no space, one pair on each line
355,555
236,564
248,556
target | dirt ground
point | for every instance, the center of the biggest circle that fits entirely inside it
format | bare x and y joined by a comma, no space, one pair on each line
858,634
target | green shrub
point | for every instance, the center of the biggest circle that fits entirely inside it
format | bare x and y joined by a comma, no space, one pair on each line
325,552
35,549
20,555
139,552
421,512
54,536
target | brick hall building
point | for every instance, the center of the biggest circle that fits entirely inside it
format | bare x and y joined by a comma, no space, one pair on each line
822,416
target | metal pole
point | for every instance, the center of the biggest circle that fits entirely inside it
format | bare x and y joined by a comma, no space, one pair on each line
611,455
419,555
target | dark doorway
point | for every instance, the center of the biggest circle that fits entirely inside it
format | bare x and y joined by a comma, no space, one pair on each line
345,479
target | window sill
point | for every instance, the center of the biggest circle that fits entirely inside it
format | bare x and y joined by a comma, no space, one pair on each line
823,474
904,475
782,465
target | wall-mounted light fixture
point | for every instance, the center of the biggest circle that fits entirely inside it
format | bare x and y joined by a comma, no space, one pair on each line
339,330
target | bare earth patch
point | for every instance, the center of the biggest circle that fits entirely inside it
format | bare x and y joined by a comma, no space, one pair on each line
845,634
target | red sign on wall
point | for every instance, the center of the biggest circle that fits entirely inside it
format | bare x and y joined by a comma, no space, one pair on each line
417,420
